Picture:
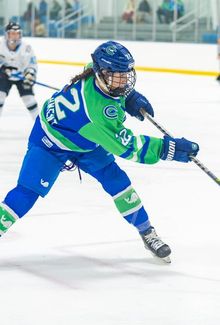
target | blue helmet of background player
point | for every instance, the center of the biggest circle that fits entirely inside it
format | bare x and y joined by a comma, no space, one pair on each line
113,62
13,34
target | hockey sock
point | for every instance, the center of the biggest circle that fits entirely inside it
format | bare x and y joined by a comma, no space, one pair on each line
129,205
7,218
116,183
2,100
34,113
31,104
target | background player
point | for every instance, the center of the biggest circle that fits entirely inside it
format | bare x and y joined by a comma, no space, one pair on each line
17,58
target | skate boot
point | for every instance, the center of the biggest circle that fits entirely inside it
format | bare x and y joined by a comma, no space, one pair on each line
156,245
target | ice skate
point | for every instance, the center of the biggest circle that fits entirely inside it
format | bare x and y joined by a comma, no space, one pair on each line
156,245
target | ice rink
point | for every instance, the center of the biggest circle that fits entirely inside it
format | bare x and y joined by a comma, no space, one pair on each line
74,260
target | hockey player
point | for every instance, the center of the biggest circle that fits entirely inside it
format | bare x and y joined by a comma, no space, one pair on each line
83,123
17,61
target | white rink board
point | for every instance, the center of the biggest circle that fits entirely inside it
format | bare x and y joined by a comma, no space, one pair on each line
162,55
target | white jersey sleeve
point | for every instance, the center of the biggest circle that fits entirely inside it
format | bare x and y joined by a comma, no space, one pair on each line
21,59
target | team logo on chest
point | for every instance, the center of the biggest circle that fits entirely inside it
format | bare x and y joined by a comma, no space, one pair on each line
110,112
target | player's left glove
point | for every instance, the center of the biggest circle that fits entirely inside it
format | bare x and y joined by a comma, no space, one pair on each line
29,77
135,102
178,149
8,70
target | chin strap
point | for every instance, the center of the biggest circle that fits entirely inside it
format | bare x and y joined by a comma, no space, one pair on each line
102,84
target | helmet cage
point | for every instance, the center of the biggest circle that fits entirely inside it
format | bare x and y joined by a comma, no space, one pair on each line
118,83
13,27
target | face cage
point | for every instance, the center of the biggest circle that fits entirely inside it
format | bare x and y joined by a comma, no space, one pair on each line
109,78
13,42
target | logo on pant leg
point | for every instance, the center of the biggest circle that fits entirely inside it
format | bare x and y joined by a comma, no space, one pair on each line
44,183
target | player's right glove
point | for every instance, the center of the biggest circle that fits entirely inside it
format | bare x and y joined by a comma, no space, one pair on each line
135,102
178,149
7,70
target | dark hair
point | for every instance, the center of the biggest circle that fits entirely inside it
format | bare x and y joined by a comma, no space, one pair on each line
84,75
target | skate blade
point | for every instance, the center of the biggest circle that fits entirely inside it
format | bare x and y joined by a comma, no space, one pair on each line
166,259
162,259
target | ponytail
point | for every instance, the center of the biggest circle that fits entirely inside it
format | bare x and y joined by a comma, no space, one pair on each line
84,75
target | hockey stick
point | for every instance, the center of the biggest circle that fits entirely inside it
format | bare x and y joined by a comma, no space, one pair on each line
194,159
45,85
21,77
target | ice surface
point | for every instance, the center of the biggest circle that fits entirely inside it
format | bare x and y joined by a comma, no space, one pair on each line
74,260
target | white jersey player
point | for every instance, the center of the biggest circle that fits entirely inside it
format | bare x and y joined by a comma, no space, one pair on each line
18,67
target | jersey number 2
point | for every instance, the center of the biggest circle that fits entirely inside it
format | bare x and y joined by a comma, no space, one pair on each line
72,106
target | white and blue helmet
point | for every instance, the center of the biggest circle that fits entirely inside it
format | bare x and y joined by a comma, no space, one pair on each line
13,27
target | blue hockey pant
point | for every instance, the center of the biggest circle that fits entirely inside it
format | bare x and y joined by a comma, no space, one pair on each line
41,168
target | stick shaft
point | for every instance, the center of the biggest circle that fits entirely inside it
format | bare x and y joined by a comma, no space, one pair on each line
45,85
21,77
194,159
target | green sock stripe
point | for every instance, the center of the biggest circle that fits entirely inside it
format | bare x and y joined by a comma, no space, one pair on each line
127,201
7,219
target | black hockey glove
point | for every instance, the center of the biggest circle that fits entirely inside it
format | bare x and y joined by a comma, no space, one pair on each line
29,77
135,102
7,70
